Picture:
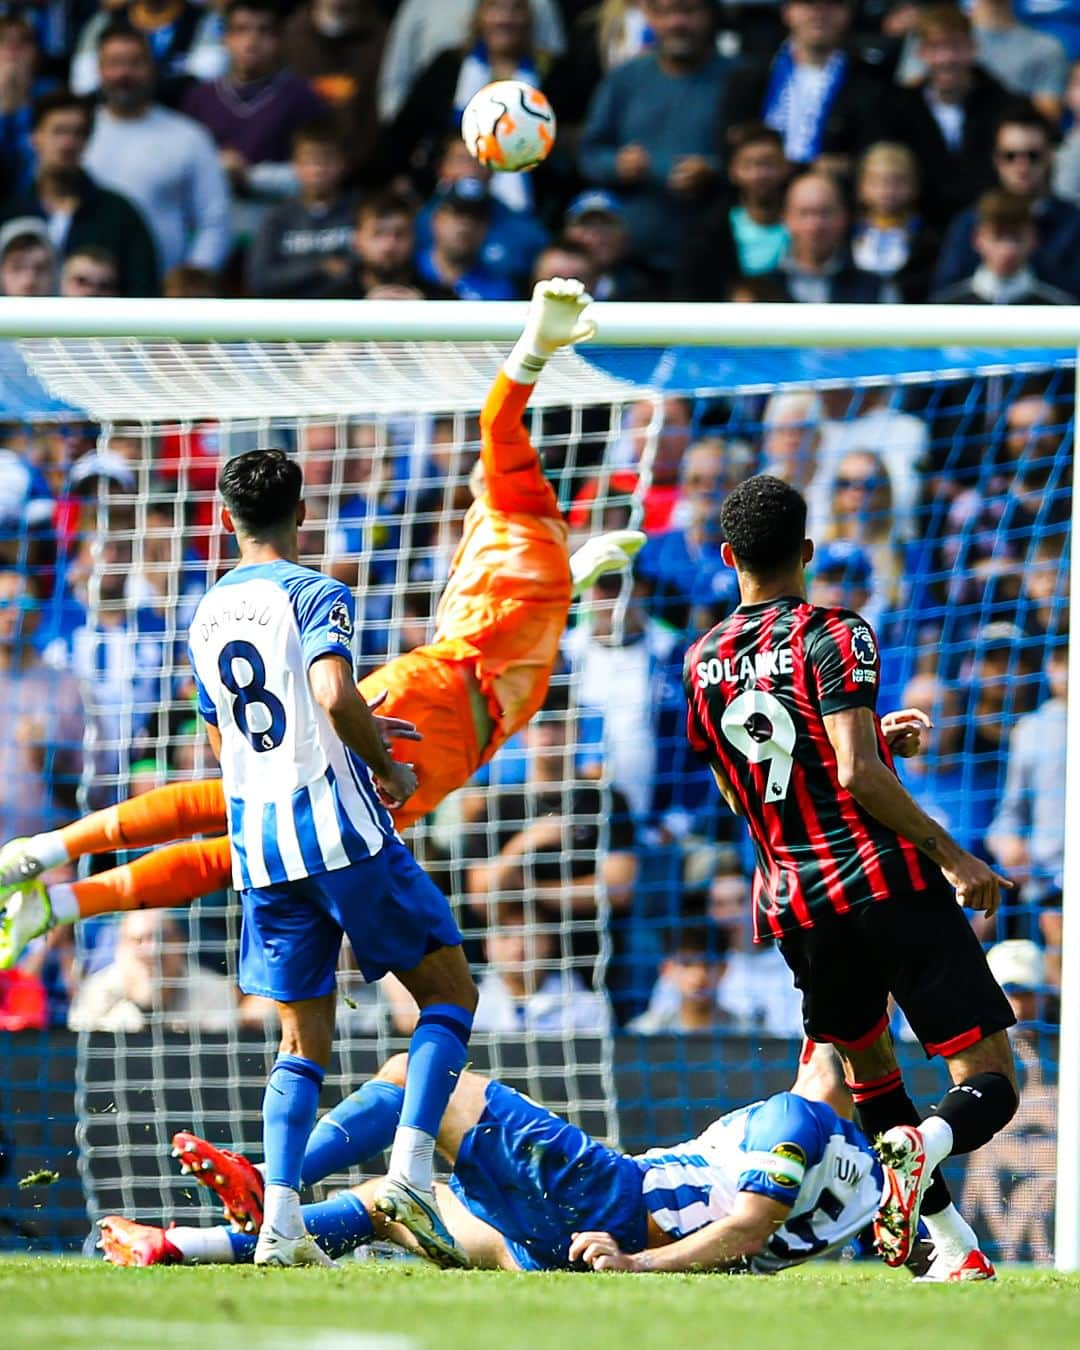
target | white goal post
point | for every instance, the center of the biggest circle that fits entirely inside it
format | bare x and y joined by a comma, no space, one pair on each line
623,325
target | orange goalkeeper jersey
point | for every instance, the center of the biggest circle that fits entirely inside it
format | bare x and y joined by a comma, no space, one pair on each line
504,608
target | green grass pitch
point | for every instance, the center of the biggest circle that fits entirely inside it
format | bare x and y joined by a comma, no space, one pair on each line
381,1306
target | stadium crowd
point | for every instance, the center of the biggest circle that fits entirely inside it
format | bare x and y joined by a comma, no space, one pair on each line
803,151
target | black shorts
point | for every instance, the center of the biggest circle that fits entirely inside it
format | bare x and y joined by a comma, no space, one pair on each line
921,950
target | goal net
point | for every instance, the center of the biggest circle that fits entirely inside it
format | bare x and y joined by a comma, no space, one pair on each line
602,890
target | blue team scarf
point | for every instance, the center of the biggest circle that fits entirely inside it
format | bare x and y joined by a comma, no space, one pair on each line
802,140
475,72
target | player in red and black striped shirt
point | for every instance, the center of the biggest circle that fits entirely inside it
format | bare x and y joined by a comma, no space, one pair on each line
857,884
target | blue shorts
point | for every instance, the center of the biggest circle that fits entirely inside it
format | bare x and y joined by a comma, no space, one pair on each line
392,913
538,1179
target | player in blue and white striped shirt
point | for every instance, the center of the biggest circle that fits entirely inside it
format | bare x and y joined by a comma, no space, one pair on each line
315,855
765,1187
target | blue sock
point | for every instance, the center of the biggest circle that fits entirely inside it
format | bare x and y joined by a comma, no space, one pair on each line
338,1225
355,1130
243,1245
289,1106
437,1054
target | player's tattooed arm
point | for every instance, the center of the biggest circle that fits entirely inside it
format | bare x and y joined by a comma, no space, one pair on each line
724,1245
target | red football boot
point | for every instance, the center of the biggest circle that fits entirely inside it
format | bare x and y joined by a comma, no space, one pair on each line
127,1243
235,1181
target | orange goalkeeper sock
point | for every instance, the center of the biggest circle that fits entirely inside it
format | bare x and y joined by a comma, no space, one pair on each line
161,880
174,812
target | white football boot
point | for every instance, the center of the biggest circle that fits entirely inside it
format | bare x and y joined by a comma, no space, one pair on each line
274,1249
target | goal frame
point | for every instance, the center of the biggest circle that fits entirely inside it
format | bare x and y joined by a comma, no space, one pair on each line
667,325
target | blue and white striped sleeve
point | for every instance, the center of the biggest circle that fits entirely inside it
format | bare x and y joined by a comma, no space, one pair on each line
325,613
785,1137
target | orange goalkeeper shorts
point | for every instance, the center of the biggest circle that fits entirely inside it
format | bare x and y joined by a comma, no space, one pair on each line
435,694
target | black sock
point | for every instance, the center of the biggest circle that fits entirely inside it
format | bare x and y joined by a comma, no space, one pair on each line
884,1102
977,1108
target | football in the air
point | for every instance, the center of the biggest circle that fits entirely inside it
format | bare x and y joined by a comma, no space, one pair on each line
509,126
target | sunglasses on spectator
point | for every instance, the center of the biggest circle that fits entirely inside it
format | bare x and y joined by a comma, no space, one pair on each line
1011,156
864,484
24,602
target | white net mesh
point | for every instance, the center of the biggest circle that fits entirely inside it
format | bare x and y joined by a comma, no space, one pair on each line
386,488
941,501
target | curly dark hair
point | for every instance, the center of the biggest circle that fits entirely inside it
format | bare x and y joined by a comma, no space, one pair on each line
261,489
764,521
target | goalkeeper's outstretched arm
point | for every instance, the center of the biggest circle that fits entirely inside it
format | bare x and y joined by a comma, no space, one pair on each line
513,481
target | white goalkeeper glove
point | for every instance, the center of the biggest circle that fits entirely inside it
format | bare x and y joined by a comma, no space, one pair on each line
555,319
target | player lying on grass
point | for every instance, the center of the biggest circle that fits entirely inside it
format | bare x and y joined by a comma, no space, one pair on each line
498,628
764,1187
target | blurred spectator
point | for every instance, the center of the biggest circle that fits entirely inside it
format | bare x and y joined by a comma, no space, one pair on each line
603,36
818,266
187,282
41,752
77,210
152,976
653,439
514,237
164,162
862,514
183,39
564,258
337,45
19,87
1001,678
383,248
1019,967
1027,834
871,420
459,224
890,238
90,270
502,48
302,249
543,840
746,236
948,118
253,109
617,657
594,221
27,259
959,793
840,576
27,506
822,99
527,987
421,30
1025,61
682,569
652,130
24,1002
1005,243
1023,157
693,968
791,438
1066,180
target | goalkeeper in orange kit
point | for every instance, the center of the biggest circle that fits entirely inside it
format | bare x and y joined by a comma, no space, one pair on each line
498,628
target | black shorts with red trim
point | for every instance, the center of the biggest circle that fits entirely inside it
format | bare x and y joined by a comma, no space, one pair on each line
921,950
